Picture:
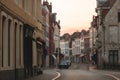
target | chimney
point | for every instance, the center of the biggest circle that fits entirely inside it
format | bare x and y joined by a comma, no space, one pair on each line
50,7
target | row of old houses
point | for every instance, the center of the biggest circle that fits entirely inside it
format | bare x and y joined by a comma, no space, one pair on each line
75,47
28,30
105,34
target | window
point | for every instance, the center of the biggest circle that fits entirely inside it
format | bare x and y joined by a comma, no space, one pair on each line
27,5
3,31
34,7
118,16
21,3
113,57
16,1
9,26
113,34
15,45
21,44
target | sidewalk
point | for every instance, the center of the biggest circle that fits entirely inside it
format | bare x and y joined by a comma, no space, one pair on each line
48,74
93,68
113,72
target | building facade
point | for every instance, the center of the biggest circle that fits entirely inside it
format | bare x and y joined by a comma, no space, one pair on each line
76,50
111,55
93,38
18,51
65,50
87,47
51,37
57,41
49,34
45,13
107,43
73,52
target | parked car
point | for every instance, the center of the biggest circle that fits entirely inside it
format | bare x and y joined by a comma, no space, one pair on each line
68,62
63,65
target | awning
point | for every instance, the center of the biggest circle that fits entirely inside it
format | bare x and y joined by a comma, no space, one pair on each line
54,56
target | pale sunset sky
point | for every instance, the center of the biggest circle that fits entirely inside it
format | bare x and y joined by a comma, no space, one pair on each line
74,14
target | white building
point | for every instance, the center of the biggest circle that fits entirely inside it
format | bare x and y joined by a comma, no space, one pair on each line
82,43
65,50
76,51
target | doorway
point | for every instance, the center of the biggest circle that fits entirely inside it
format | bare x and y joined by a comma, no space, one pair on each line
113,57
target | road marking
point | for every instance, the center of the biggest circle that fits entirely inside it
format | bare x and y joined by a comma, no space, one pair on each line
113,76
58,75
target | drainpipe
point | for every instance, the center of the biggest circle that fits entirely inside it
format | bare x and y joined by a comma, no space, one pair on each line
103,29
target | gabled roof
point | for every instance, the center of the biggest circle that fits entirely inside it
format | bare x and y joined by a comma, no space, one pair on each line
105,5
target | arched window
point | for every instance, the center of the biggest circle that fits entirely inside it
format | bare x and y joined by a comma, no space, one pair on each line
9,43
3,31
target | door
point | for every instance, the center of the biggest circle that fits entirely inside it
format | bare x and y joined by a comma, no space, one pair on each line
113,57
28,52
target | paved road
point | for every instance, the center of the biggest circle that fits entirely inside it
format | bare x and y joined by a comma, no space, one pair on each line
76,72
82,72
82,75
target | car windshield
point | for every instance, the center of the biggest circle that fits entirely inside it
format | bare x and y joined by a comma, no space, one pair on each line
63,62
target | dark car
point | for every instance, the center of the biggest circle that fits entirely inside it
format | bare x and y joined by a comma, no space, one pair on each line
68,62
63,65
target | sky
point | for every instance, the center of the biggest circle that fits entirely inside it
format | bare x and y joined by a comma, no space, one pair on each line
74,15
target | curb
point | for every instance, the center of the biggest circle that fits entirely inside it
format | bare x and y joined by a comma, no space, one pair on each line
58,75
112,76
